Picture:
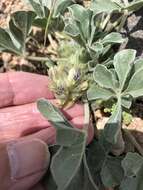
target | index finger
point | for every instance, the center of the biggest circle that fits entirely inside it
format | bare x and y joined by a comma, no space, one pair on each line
19,88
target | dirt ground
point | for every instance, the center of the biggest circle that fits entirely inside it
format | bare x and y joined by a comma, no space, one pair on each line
133,30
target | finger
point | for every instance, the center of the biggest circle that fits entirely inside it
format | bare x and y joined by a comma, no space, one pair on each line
22,164
48,135
37,187
20,88
23,120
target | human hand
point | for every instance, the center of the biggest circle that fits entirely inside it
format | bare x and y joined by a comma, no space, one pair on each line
21,121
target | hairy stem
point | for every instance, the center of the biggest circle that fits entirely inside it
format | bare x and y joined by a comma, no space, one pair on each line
123,20
48,22
110,27
106,20
86,117
32,58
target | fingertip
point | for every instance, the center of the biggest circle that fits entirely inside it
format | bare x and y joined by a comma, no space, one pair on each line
27,157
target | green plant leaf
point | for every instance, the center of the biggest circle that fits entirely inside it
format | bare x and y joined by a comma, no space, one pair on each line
95,92
113,126
132,164
6,43
20,26
52,113
82,16
67,161
138,65
61,6
123,62
95,162
134,5
135,87
129,183
139,179
103,77
112,172
113,37
40,8
108,6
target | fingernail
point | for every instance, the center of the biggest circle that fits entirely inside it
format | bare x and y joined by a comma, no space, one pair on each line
27,157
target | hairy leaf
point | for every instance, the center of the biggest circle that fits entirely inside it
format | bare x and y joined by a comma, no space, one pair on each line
108,6
132,164
67,161
139,179
95,92
129,183
6,43
134,5
103,77
112,172
113,37
113,126
61,6
20,26
123,62
135,87
53,114
40,8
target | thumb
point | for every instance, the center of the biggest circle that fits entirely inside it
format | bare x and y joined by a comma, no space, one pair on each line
22,163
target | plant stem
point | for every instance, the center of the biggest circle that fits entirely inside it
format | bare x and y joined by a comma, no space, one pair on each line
123,20
86,117
48,21
106,20
114,25
32,58
133,141
126,2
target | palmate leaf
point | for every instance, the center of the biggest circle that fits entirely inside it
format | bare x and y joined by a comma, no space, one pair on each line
83,17
53,8
109,6
83,26
79,25
14,40
124,81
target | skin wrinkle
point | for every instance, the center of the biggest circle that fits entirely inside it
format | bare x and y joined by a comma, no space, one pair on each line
12,91
6,91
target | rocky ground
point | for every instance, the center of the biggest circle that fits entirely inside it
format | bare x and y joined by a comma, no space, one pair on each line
134,31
